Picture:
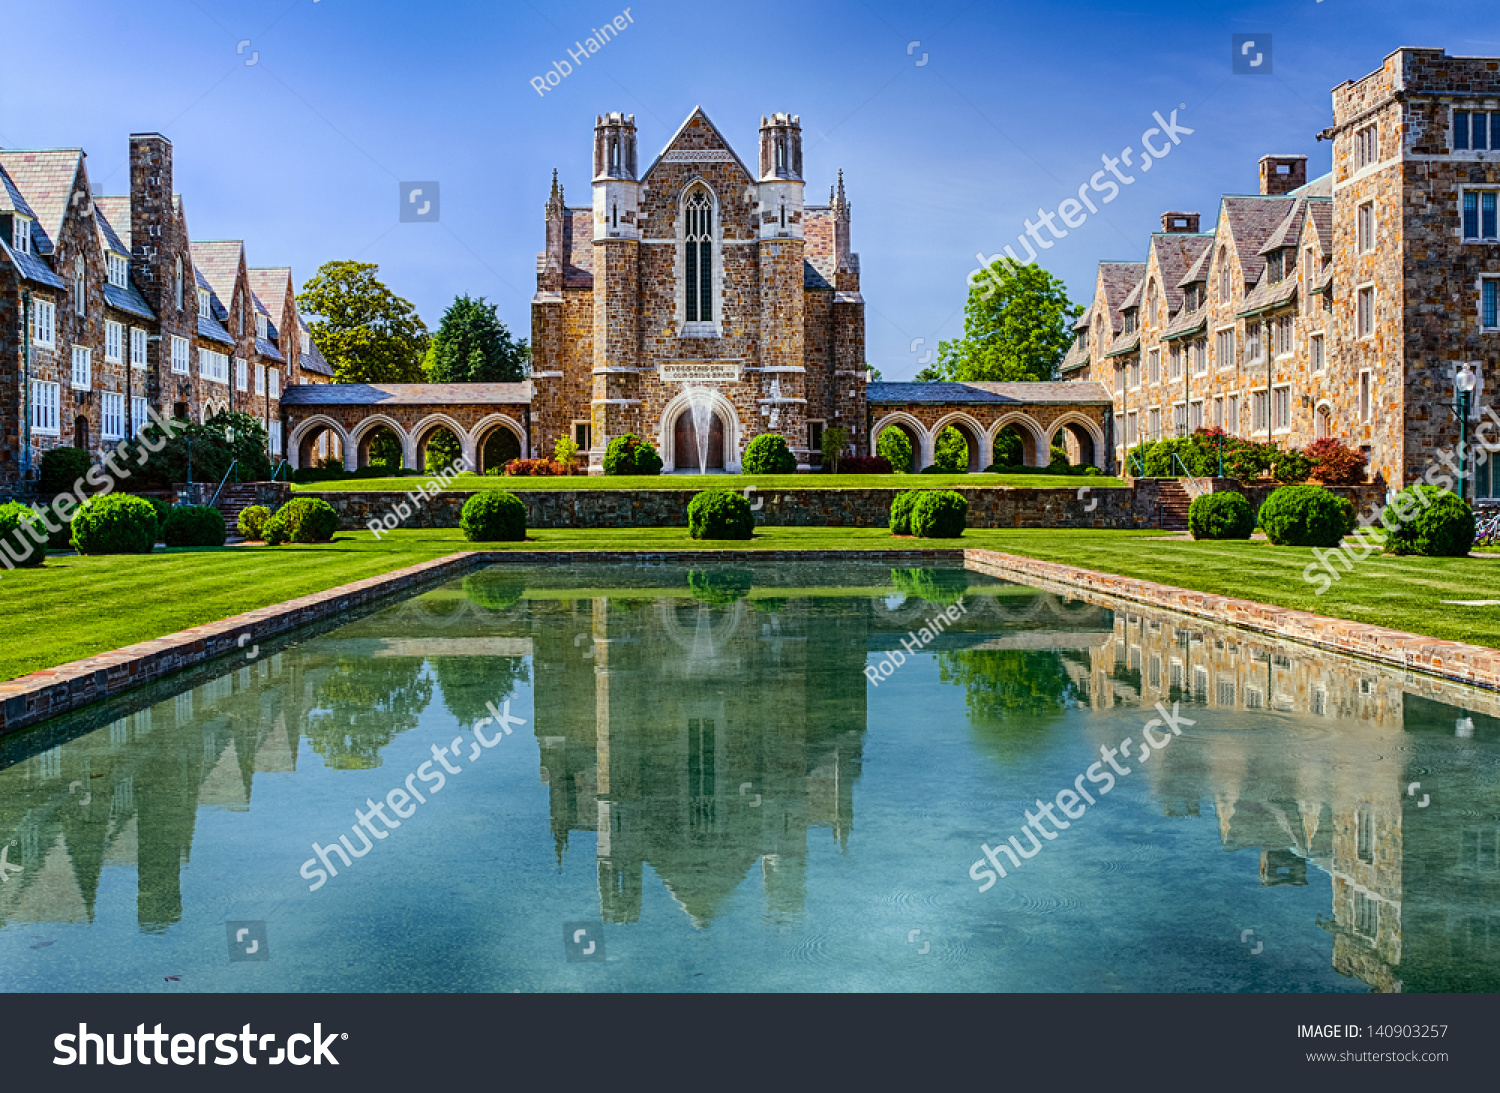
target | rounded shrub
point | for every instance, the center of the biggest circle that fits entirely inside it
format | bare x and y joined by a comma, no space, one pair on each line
194,526
720,514
302,520
629,454
19,546
62,468
769,454
162,507
1227,515
895,446
901,506
935,469
62,538
252,522
1306,516
939,514
117,523
1438,523
719,587
494,516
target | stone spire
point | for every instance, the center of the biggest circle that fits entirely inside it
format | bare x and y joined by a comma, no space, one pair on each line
551,279
846,277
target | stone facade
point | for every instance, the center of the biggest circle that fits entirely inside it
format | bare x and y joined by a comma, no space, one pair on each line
697,273
1334,307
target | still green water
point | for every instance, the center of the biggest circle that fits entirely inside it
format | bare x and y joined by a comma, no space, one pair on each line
711,784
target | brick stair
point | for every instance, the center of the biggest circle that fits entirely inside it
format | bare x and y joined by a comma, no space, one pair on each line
1174,504
239,496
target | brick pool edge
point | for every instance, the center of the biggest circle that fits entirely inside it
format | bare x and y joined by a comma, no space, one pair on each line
1452,660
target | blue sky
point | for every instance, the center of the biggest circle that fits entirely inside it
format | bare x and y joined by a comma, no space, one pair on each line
301,153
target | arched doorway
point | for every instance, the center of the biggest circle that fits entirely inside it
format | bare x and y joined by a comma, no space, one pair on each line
380,447
438,449
498,449
1322,420
320,447
1076,441
685,452
81,432
914,442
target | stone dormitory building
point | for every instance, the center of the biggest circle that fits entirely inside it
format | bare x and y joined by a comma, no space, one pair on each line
1337,306
109,309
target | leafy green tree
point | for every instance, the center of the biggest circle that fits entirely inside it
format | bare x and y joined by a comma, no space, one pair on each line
472,345
895,446
367,332
1017,326
835,440
951,452
360,706
1010,449
443,450
211,449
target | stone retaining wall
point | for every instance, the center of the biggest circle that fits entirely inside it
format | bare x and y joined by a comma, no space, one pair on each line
1109,508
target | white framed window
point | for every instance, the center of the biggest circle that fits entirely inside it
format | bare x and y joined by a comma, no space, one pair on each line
111,415
1174,359
1252,341
83,368
1366,400
1232,414
1153,366
1475,130
114,342
1179,419
306,342
1224,348
1364,227
44,323
1195,415
139,417
204,306
1219,412
80,288
260,379
1153,424
1258,410
1366,146
137,347
117,268
1479,215
20,233
275,379
180,356
1130,428
1200,356
1283,332
1364,312
1315,352
1281,409
275,434
46,399
1489,303
262,327
241,374
213,366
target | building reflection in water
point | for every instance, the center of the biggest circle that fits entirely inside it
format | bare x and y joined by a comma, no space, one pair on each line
705,725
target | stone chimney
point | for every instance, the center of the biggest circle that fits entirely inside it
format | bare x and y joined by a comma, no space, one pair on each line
1179,222
1280,174
151,216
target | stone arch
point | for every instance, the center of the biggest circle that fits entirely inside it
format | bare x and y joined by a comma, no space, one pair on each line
305,436
1086,434
722,408
976,437
916,432
423,431
480,436
365,431
1033,440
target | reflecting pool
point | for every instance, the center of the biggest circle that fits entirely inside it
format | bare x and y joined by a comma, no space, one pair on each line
759,776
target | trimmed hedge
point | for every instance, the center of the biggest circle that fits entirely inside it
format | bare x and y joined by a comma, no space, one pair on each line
62,468
1441,524
1226,515
769,454
939,514
252,522
194,526
720,514
494,517
901,506
20,548
864,464
117,523
1306,516
302,520
1076,470
629,454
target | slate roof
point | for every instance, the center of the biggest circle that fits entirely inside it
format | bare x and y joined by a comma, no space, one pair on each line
405,394
268,350
1076,357
1125,344
115,211
313,360
269,288
1198,271
1252,220
1176,252
1322,218
46,177
1265,296
1184,324
1083,321
977,392
1323,283
1322,186
211,330
216,308
32,268
127,299
218,261
1117,279
109,239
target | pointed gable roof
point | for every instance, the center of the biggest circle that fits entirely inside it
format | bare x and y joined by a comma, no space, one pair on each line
1251,219
46,176
1198,271
1176,252
1116,280
696,134
218,263
269,287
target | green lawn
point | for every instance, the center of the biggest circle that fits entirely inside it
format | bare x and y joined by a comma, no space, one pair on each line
473,482
75,607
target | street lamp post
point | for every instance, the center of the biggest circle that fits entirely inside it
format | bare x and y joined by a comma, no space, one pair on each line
1463,388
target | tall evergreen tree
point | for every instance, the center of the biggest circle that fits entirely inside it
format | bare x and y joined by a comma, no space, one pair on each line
472,345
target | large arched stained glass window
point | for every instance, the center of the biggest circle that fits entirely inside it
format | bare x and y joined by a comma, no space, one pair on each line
699,235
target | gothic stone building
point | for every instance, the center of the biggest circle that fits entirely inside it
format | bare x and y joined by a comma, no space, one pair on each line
697,280
1334,307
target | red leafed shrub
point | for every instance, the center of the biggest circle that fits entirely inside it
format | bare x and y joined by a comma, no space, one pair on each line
540,468
1334,463
864,464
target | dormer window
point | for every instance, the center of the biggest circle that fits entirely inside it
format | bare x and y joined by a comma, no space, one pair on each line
262,327
20,233
119,269
1130,317
1276,266
203,304
306,343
